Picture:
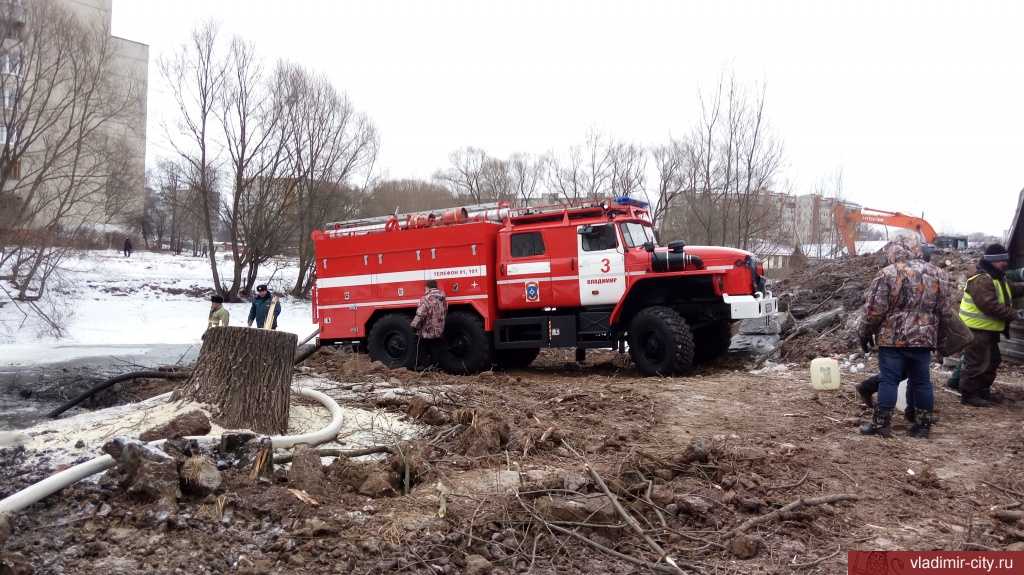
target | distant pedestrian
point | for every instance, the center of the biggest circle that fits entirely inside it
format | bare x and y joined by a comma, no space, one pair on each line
219,316
429,320
260,308
127,248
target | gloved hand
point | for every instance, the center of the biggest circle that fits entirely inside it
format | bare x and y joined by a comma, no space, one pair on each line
867,341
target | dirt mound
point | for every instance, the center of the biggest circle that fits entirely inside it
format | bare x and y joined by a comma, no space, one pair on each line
841,284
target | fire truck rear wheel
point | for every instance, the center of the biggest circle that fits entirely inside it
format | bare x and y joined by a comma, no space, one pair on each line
515,358
467,349
393,342
660,342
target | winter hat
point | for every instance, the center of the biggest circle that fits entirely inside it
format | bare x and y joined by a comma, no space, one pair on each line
996,253
261,287
217,299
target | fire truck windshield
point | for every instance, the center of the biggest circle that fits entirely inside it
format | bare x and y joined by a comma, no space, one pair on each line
636,235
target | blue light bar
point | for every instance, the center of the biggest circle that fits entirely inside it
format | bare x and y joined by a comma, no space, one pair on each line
628,201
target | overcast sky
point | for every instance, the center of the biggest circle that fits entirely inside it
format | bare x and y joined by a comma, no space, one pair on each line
920,104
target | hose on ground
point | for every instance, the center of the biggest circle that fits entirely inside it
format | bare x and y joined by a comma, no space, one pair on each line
72,475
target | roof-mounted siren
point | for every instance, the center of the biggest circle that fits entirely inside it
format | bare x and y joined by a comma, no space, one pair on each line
628,201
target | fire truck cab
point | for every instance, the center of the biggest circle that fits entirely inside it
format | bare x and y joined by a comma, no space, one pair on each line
520,280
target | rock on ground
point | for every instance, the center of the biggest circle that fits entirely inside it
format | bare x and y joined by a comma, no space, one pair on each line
477,565
185,425
199,476
306,473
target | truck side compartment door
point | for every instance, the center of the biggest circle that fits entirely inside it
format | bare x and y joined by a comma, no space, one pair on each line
337,296
524,270
602,265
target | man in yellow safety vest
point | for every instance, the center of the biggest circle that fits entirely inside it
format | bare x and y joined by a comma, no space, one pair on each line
987,309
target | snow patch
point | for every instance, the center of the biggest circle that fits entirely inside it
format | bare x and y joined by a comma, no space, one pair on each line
111,300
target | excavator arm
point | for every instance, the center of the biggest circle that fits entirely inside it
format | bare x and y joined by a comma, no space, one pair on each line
848,217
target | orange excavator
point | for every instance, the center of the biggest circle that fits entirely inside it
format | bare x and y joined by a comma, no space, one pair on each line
848,216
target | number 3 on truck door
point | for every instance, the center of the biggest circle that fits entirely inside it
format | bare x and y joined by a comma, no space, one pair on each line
602,265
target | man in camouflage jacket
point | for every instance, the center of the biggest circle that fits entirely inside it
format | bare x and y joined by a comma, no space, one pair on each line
902,309
429,321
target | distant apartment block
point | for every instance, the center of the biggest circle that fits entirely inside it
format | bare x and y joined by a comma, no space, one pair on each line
124,133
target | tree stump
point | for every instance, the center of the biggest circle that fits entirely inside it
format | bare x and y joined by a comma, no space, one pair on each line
246,375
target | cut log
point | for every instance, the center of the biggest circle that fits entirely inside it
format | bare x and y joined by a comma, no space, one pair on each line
246,375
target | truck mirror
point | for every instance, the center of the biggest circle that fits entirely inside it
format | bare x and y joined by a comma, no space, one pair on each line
649,247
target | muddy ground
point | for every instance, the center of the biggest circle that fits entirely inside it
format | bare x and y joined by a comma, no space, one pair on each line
500,484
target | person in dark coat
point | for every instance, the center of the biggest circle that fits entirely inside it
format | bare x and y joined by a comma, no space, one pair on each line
987,309
127,248
260,307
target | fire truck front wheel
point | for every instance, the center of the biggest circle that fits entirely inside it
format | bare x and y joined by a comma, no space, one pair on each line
660,342
467,349
393,342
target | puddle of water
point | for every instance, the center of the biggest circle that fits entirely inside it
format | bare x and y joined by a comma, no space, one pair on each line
17,412
89,363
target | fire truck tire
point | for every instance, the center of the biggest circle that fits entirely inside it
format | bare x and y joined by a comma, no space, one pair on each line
393,342
660,342
467,349
711,342
515,358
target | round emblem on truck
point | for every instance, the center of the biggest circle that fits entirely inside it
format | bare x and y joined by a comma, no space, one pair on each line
532,291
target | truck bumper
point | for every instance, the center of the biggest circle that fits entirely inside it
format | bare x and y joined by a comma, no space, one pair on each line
752,306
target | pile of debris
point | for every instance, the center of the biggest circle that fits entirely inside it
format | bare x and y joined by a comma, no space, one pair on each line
822,303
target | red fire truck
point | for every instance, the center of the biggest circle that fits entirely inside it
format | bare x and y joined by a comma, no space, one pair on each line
519,280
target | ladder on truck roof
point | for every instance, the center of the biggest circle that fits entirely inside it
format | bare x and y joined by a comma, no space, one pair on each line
496,212
493,211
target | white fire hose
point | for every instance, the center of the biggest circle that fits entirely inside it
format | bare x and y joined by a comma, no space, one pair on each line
56,482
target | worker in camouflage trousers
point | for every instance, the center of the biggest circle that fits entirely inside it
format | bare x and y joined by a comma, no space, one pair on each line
902,311
429,320
987,309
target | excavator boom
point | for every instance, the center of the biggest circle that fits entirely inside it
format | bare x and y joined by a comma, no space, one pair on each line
847,218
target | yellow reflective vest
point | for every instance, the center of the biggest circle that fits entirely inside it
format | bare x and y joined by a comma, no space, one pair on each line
974,318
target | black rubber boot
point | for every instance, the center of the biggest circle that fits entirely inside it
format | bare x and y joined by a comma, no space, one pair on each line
990,396
910,414
866,393
922,426
881,424
975,401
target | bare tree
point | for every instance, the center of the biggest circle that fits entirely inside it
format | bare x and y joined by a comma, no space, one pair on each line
329,144
729,168
586,172
466,175
627,170
673,177
195,75
251,118
62,166
527,176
